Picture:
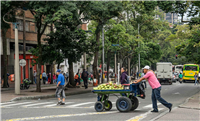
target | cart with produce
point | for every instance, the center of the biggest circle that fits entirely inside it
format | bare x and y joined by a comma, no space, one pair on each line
128,100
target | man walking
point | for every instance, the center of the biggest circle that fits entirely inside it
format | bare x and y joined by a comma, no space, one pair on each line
156,87
84,76
35,73
44,77
60,88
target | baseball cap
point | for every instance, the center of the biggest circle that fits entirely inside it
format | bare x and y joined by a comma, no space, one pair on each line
58,70
146,67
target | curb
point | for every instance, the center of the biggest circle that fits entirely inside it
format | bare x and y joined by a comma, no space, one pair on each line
48,96
179,106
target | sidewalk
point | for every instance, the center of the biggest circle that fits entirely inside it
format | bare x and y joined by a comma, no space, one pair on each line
48,91
189,111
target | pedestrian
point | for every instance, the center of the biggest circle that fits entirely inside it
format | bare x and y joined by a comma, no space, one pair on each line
44,76
84,76
40,76
123,77
79,78
180,77
35,74
156,88
76,79
54,78
137,75
67,77
60,90
144,81
8,78
49,78
196,79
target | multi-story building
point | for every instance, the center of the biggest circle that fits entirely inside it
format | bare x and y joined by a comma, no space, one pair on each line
31,42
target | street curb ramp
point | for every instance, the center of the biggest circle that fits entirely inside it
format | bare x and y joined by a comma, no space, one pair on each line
48,96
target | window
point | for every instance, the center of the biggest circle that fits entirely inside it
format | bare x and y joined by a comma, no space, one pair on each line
193,68
27,26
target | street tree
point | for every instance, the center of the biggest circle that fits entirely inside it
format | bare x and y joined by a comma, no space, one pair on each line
69,40
101,12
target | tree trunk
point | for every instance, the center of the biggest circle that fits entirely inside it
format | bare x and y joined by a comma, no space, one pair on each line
108,64
95,71
24,43
58,66
71,73
5,60
38,89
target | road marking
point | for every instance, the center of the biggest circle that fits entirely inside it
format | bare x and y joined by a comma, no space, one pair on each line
16,104
59,116
56,104
80,104
142,116
177,93
6,103
36,104
150,105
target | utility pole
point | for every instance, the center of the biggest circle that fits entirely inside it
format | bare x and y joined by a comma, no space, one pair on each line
139,52
84,56
24,44
129,71
102,54
115,66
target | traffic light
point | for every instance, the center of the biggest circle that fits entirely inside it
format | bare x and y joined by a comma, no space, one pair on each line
176,56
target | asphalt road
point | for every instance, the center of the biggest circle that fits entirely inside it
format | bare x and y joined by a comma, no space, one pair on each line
81,107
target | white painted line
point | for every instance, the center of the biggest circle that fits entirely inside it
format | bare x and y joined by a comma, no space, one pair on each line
56,104
36,104
150,105
6,103
142,116
59,116
80,104
17,104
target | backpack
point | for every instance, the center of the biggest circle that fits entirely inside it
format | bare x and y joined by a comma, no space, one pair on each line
127,79
85,74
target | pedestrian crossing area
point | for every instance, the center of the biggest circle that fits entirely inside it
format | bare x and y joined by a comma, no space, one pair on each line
53,104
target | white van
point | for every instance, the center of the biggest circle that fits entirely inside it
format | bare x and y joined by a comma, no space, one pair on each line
164,72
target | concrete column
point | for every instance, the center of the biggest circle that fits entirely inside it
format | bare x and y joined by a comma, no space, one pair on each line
17,79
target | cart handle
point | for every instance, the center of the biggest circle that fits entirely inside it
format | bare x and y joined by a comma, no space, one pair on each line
126,84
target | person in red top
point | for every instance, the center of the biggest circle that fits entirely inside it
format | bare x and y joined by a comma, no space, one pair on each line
156,87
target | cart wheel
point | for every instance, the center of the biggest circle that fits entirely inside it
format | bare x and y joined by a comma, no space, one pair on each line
99,106
135,102
108,105
123,104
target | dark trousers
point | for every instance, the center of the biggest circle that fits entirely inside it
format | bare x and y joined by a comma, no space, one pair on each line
44,80
156,96
85,83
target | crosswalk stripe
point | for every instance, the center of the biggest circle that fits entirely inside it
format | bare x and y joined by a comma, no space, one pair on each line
80,104
56,104
16,104
6,103
150,105
36,104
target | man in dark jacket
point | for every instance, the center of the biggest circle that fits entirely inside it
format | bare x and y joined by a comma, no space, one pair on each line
84,76
123,78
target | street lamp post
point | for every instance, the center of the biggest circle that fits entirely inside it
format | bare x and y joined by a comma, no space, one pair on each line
17,79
